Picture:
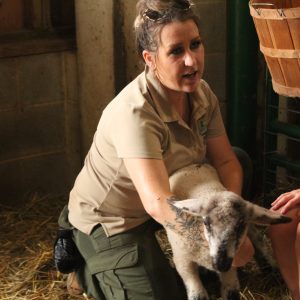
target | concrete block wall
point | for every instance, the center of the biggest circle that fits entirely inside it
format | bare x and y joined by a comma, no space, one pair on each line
39,124
95,53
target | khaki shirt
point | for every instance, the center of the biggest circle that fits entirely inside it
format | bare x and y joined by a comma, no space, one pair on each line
138,123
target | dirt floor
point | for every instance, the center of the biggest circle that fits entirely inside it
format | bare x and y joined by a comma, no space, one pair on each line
27,271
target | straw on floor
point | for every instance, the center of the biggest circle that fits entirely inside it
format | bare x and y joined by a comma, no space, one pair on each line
26,265
27,271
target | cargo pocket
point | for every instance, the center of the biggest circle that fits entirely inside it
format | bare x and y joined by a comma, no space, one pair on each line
105,265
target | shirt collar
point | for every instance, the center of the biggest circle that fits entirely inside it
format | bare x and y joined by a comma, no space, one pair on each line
166,111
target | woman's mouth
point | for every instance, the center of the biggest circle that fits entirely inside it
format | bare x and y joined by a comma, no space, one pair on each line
191,75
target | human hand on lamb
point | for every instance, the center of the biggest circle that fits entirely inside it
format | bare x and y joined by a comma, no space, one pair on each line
286,201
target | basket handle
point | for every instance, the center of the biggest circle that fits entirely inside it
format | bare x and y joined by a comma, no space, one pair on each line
279,10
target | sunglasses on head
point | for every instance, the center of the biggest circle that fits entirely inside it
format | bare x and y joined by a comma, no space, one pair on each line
154,15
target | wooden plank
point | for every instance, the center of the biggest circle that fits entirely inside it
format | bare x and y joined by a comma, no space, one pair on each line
23,47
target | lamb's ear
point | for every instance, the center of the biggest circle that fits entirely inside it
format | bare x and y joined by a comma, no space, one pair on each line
191,206
263,216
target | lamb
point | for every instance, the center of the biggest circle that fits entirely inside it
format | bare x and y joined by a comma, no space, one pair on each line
213,222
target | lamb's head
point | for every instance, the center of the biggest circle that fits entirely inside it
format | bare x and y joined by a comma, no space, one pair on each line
226,217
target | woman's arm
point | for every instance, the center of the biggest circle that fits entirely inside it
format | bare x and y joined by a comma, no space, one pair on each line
222,157
151,180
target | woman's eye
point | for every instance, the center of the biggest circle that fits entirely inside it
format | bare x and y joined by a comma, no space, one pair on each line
196,44
177,51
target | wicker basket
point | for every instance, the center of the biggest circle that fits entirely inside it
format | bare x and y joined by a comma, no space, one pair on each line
278,27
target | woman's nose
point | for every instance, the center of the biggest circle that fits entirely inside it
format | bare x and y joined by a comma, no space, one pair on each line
189,59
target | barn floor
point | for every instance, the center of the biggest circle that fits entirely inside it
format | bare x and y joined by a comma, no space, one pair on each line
26,265
27,271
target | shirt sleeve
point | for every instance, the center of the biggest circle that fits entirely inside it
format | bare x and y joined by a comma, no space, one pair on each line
136,131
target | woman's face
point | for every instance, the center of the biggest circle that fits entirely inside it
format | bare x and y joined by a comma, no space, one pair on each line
179,60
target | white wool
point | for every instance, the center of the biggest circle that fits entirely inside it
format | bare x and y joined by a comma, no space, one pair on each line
213,244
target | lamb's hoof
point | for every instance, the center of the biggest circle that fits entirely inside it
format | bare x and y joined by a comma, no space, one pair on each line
233,295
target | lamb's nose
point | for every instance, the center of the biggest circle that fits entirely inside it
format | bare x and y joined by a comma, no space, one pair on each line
222,262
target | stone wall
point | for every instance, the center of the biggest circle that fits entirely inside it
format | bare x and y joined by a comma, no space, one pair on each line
39,121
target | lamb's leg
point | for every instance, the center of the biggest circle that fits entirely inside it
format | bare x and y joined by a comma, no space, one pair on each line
230,285
189,273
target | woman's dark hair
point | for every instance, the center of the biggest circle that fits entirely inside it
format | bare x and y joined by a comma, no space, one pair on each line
153,15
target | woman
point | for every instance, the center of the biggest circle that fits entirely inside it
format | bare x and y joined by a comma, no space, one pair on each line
167,118
286,240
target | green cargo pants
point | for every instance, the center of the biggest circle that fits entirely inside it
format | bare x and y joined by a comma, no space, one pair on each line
125,266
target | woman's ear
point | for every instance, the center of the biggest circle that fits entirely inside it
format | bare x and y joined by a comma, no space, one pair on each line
149,59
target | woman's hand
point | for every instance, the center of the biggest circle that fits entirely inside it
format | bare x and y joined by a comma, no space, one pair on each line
286,201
